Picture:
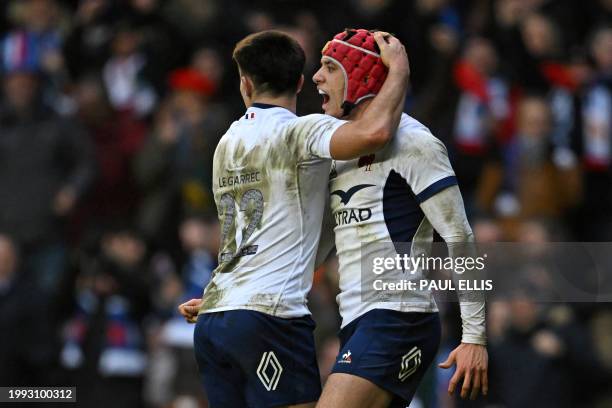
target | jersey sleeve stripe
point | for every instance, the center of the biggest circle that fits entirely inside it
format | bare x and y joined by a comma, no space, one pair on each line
436,187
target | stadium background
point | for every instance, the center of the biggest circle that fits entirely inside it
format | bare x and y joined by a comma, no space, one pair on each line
110,115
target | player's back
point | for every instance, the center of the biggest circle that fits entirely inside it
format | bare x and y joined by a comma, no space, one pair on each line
268,181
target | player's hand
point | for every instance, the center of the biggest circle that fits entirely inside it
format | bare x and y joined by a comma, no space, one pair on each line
392,52
189,310
472,363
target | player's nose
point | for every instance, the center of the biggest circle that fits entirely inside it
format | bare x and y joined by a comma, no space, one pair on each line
317,78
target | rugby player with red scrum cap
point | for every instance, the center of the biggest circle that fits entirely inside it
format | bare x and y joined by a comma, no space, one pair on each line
402,193
254,336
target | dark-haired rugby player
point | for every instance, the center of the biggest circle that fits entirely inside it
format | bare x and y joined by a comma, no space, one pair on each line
253,339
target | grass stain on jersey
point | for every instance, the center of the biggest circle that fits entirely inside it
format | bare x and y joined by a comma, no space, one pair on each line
264,302
212,296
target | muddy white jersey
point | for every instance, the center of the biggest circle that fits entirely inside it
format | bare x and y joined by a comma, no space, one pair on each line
268,182
377,199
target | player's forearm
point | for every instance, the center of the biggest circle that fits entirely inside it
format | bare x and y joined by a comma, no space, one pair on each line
382,117
445,211
377,125
471,303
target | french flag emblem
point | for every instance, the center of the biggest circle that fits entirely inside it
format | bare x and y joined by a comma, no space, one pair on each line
250,115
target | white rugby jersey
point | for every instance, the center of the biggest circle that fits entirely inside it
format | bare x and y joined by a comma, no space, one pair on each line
376,199
269,176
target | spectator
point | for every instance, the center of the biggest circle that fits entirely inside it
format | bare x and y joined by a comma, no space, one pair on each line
27,347
196,19
596,141
542,359
87,46
173,376
128,90
117,137
482,109
46,167
159,40
103,341
540,188
174,168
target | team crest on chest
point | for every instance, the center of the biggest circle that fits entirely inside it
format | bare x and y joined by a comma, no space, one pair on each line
366,161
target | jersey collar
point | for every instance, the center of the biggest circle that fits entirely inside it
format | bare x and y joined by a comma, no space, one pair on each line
264,106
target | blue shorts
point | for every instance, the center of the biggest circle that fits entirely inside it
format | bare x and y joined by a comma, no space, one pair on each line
251,359
391,349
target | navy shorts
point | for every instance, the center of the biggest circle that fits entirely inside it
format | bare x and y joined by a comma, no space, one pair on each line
251,359
391,349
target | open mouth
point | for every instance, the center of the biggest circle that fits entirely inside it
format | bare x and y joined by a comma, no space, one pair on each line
325,97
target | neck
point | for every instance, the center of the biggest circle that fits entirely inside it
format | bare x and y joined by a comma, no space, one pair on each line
358,111
284,101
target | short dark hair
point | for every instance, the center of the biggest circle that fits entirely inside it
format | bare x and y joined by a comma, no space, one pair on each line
272,59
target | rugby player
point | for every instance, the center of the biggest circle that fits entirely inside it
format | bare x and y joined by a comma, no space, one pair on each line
403,193
253,338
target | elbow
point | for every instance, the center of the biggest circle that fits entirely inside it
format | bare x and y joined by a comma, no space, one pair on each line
459,237
458,232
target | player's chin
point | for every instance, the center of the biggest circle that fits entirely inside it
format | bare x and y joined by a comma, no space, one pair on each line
332,110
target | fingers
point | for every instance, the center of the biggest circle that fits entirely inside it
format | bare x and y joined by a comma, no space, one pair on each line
467,381
485,382
476,385
449,361
182,310
187,310
386,41
472,366
190,313
381,39
392,52
190,309
454,380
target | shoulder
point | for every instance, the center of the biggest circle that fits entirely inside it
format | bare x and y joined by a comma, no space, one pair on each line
233,132
414,138
308,129
304,123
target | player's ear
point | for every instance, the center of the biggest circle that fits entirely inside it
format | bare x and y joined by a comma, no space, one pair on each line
300,84
246,85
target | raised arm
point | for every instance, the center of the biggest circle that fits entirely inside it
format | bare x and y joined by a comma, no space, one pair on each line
378,124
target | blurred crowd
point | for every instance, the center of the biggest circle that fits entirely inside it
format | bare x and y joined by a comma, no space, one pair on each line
109,117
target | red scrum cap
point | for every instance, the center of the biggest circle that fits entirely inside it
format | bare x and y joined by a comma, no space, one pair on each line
355,51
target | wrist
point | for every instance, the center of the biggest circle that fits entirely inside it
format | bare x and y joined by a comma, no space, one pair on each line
475,340
399,69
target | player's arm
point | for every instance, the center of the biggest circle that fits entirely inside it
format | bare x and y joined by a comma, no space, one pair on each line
445,211
427,169
380,120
